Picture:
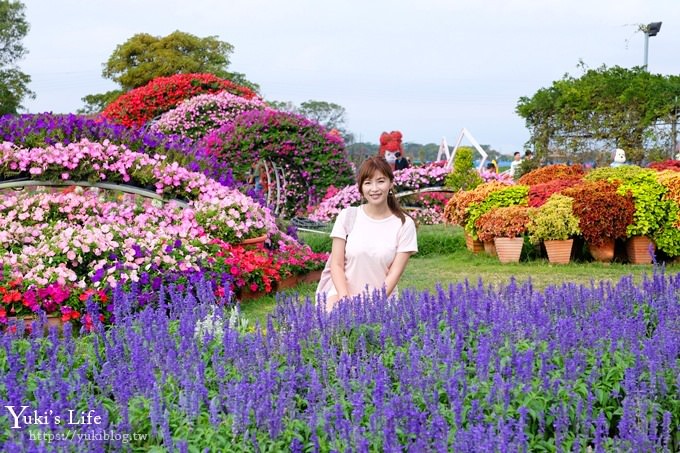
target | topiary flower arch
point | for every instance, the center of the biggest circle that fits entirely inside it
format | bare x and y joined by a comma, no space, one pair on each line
200,115
311,158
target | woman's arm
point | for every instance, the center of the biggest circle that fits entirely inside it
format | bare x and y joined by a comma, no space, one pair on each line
338,268
395,271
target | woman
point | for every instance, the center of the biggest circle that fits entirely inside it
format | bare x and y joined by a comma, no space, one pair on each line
381,238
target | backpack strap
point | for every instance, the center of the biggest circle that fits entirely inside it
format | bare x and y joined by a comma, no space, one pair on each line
350,218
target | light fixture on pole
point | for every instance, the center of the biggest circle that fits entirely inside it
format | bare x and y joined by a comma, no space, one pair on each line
650,29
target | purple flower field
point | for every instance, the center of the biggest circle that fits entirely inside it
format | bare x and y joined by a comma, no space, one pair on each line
464,368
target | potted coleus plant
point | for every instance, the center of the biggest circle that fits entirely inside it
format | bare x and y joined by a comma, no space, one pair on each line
604,215
506,226
555,225
651,210
456,211
667,238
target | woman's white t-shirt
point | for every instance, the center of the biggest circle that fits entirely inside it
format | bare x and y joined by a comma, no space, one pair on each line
371,248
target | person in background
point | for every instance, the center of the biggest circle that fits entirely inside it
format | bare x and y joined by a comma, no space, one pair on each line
492,166
374,254
401,163
516,162
528,155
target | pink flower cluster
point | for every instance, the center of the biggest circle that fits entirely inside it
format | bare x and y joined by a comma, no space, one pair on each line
197,116
84,160
418,177
69,237
412,178
107,162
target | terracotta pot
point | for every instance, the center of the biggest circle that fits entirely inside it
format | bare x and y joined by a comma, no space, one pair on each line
288,282
29,321
603,253
638,249
246,294
490,248
509,249
473,245
255,240
311,277
559,252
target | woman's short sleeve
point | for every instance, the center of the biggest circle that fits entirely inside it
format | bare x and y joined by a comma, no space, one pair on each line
407,240
338,230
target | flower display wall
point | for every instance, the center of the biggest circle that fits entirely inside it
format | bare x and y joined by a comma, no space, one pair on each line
40,130
140,105
83,241
196,117
311,158
79,241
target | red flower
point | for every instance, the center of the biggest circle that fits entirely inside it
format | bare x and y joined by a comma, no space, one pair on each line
140,105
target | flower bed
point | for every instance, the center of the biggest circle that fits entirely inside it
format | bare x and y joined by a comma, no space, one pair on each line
86,240
466,368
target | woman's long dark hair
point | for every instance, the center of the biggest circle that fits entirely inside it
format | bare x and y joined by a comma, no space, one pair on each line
375,164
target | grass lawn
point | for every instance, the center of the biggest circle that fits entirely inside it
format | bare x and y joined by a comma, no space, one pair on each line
444,259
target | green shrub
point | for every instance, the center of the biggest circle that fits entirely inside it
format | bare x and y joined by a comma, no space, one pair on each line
463,176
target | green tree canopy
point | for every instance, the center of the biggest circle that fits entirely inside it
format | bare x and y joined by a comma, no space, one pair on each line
605,108
13,82
144,57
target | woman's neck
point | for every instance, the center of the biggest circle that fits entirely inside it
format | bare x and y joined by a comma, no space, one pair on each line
377,212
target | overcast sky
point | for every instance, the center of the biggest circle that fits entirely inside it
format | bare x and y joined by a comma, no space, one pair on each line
425,67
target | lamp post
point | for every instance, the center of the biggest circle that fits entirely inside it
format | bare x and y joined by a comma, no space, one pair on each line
650,29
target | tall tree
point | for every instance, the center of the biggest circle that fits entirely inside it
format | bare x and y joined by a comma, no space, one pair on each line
605,108
144,57
13,82
328,114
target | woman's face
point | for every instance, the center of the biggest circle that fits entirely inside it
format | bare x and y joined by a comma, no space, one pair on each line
376,188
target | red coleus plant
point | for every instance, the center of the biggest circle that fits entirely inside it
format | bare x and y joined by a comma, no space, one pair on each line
507,222
551,173
539,193
138,106
669,164
603,214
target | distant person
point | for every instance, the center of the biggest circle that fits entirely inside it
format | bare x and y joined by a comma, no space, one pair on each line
401,163
492,166
528,155
516,162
